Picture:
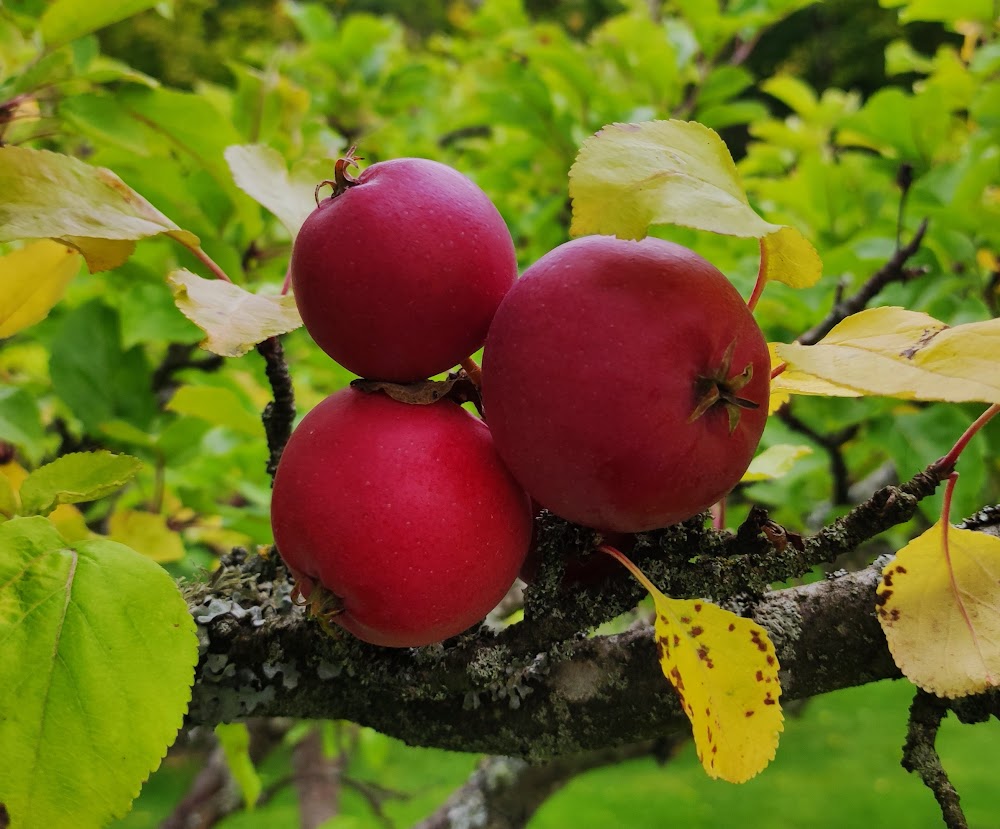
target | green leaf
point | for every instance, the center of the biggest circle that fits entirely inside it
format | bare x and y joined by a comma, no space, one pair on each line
234,738
89,208
99,654
74,478
630,176
66,20
234,319
20,421
261,172
218,406
94,375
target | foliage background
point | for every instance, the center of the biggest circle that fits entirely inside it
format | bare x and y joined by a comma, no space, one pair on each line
822,105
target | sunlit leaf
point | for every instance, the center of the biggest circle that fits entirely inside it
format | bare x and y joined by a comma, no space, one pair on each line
775,462
146,533
8,497
893,352
630,176
66,518
47,194
66,20
99,654
234,738
219,406
790,258
725,671
261,172
77,477
32,280
939,606
234,319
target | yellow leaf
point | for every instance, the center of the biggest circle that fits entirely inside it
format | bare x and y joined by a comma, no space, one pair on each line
146,533
32,280
893,352
234,319
630,176
725,672
101,254
940,609
788,257
775,462
777,397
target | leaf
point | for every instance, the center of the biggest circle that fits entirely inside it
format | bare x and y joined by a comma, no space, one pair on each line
725,672
66,518
939,605
66,20
260,171
8,497
97,379
630,176
146,533
77,477
32,280
99,655
893,352
21,423
234,738
775,462
788,257
234,319
90,208
218,406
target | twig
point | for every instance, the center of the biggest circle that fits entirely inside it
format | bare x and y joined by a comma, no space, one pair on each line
920,756
279,414
179,356
317,780
892,271
833,446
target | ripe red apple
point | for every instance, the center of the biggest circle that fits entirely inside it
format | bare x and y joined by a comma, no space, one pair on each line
404,513
625,383
397,276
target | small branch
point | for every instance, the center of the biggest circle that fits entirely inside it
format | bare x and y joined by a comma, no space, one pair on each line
920,756
892,271
505,792
279,414
317,780
833,446
180,356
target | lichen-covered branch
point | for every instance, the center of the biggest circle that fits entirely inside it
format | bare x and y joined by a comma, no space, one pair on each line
920,756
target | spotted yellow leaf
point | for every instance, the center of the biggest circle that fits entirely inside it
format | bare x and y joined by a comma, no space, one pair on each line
894,352
725,672
939,605
32,280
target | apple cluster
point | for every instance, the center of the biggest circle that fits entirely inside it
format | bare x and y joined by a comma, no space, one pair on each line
624,387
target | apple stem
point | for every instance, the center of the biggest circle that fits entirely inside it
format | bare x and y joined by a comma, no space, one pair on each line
342,179
628,565
758,287
286,286
947,462
719,515
474,371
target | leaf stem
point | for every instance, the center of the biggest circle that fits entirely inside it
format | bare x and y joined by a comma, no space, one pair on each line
947,462
758,287
628,565
205,259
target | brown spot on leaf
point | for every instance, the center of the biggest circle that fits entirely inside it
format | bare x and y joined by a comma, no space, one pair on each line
677,640
758,640
770,659
697,631
685,620
732,627
697,607
928,335
887,578
900,569
749,713
760,676
882,597
769,700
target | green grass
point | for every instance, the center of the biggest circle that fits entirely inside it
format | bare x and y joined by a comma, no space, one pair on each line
837,767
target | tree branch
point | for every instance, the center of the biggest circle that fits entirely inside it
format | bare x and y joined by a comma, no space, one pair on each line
920,756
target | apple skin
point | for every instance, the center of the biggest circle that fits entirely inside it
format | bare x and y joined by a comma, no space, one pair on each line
591,375
404,512
398,277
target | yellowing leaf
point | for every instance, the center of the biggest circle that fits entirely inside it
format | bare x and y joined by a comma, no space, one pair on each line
777,398
893,352
630,176
788,257
47,194
775,462
219,406
234,319
939,605
66,518
32,280
725,671
261,172
146,533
